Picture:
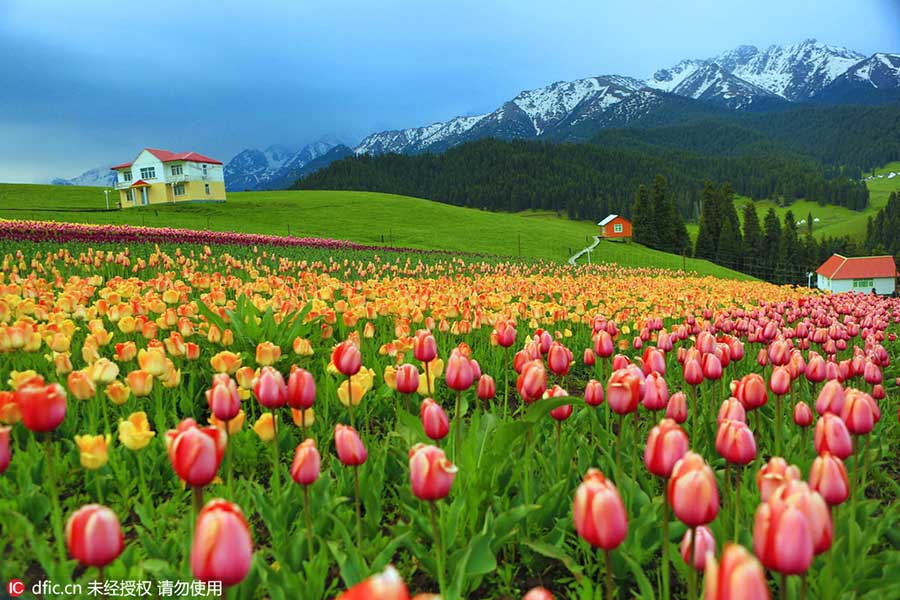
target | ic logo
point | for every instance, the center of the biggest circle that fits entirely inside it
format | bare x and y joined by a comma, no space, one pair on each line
15,588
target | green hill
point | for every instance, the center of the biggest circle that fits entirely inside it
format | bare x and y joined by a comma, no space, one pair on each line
834,221
364,217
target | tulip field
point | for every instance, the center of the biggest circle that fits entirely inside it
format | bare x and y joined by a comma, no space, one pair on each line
230,417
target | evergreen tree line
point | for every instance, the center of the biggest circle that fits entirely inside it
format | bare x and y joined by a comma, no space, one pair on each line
656,222
586,181
883,231
774,250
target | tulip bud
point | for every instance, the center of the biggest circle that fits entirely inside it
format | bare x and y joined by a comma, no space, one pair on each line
860,412
407,379
735,442
732,409
434,419
386,585
593,393
803,415
301,389
459,374
223,398
740,575
223,547
195,452
93,536
692,491
831,398
5,451
774,474
656,392
346,358
532,381
676,409
780,381
751,391
828,477
487,389
705,544
424,346
430,473
270,389
832,435
666,445
538,593
42,407
599,513
350,448
305,468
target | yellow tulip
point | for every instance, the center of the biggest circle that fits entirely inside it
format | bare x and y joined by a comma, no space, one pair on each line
19,378
140,382
81,385
94,450
234,425
63,363
152,360
302,347
226,362
135,432
390,377
126,324
103,371
267,354
307,415
265,427
117,392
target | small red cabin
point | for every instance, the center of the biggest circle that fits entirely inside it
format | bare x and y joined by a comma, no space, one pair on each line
615,227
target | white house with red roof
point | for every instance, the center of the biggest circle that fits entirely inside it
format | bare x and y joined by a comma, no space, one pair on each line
160,176
858,274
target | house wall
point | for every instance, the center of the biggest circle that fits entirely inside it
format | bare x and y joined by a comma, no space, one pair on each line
882,285
609,230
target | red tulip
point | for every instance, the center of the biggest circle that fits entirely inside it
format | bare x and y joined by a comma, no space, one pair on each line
732,409
797,493
828,476
430,473
738,577
872,373
590,359
832,436
424,346
459,374
407,379
815,368
692,491
803,415
559,358
350,448
593,393
301,389
223,398
603,344
677,407
704,544
195,452
307,462
860,412
598,512
93,536
434,419
487,389
751,391
532,381
270,388
43,407
735,442
773,475
712,367
623,393
782,538
779,352
666,445
780,381
347,359
223,547
831,398
543,339
693,372
653,361
505,332
538,593
386,585
5,452
656,392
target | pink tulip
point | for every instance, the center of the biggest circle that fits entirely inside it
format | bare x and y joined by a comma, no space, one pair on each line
223,547
599,513
430,473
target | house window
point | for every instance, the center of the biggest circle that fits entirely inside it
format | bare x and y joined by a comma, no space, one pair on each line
130,196
617,228
126,175
176,170
179,189
148,172
204,169
207,188
864,283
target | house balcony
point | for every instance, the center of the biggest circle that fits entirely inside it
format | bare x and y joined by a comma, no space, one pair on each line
123,185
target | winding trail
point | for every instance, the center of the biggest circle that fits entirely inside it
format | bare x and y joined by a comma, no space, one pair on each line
583,251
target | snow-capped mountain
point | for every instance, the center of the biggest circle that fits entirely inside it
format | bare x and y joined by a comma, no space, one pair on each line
745,78
273,168
796,72
552,111
872,81
707,81
96,177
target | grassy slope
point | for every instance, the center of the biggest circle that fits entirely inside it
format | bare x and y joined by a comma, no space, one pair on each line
358,216
835,221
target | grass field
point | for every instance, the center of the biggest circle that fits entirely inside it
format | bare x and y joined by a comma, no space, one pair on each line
835,221
357,216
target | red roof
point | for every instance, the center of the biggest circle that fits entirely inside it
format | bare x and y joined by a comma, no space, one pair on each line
861,267
166,156
139,183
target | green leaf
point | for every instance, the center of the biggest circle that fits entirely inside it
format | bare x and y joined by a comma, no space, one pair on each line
557,553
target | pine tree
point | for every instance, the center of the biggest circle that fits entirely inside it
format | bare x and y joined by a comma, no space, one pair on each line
793,261
809,224
642,218
710,223
771,244
753,242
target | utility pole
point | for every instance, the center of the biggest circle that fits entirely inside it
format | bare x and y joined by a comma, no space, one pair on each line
106,193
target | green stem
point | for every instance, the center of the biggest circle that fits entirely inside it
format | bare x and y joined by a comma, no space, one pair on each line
558,452
56,513
779,409
276,471
358,508
692,572
782,590
144,491
665,545
693,408
350,400
635,445
803,587
229,457
198,499
505,382
619,450
457,425
609,575
737,501
309,531
865,467
97,486
439,550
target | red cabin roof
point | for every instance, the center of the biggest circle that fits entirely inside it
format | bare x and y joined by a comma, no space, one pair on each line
861,267
166,156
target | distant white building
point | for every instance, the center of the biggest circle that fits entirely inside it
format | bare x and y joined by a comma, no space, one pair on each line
858,274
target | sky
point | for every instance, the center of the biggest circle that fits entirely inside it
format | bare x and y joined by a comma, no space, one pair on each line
89,83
